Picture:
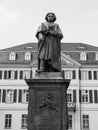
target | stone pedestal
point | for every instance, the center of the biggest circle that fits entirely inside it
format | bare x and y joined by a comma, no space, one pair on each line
47,108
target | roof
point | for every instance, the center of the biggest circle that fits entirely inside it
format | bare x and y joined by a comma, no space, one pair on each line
64,47
22,47
70,49
77,47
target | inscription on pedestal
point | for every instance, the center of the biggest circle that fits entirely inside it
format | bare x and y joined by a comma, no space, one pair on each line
47,110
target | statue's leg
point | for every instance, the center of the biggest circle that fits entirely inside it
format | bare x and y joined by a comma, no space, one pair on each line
51,68
40,65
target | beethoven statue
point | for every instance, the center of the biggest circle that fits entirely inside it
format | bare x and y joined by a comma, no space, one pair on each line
49,36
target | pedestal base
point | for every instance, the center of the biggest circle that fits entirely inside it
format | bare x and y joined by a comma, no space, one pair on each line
47,108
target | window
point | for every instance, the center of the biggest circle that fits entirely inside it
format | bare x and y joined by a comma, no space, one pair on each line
24,121
86,75
10,74
25,74
85,121
9,95
70,74
83,56
71,96
8,121
27,56
12,56
96,55
69,121
86,96
23,96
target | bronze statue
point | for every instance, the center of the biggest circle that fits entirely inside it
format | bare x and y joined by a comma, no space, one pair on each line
49,36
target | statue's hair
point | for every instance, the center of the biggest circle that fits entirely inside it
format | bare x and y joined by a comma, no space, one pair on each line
46,17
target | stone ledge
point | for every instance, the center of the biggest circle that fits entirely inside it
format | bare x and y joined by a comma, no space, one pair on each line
50,75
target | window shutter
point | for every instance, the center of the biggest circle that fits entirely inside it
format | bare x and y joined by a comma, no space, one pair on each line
0,74
4,95
79,74
95,75
90,96
95,96
20,96
9,74
16,74
73,74
21,74
31,56
80,96
0,95
90,75
30,74
5,74
15,95
74,95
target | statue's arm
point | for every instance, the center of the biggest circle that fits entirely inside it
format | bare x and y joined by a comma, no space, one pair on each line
57,32
39,33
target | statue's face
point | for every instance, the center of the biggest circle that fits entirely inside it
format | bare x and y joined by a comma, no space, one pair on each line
50,17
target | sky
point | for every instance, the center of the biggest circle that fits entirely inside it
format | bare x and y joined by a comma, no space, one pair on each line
20,19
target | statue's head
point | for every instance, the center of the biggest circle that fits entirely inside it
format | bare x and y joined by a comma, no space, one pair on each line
50,17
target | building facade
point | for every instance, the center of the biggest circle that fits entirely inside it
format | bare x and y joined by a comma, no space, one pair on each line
80,64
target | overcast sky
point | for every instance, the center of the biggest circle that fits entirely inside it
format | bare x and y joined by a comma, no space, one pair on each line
19,20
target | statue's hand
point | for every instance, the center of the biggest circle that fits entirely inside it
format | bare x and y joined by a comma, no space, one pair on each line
47,33
53,33
40,37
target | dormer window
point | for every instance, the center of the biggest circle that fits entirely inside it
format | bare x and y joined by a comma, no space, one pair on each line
96,55
12,56
27,56
83,56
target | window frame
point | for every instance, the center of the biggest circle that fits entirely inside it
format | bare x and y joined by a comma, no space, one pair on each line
24,121
69,93
70,121
25,96
11,96
68,74
85,121
8,121
96,56
12,56
83,56
27,56
85,96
